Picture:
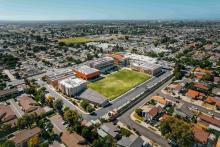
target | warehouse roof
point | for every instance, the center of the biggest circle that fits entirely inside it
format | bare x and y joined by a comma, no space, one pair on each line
93,96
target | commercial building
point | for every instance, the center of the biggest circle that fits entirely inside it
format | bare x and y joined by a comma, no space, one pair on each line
103,64
72,86
120,59
146,67
135,57
54,77
144,64
85,72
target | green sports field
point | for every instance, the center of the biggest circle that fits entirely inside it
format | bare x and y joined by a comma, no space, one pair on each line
116,84
77,40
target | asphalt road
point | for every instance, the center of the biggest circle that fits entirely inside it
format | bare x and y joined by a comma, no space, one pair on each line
125,118
115,104
187,104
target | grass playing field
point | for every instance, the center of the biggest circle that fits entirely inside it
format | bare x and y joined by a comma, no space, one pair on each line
118,83
77,40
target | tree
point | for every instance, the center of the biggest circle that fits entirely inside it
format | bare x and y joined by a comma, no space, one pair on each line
33,141
26,120
177,129
72,117
138,111
58,105
7,143
49,100
84,104
89,108
44,144
86,132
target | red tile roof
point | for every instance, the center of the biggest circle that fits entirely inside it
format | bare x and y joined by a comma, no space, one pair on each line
155,110
200,135
198,69
201,86
194,94
210,100
210,120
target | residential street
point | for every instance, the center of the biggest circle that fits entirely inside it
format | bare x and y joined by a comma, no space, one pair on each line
125,118
187,104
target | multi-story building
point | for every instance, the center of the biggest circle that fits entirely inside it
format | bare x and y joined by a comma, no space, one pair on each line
85,72
72,86
103,64
120,59
54,77
146,67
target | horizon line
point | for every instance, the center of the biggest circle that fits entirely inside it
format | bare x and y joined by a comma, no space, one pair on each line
52,20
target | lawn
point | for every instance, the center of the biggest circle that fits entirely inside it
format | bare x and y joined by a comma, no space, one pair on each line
77,40
116,84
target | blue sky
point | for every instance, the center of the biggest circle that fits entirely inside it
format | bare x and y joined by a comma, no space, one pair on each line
108,9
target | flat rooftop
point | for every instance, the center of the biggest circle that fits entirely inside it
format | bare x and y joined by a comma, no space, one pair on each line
72,82
102,60
60,74
141,58
146,65
85,69
93,96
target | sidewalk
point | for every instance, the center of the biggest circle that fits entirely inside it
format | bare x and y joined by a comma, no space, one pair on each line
152,128
189,100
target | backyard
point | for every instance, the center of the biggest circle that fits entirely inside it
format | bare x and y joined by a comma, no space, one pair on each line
116,84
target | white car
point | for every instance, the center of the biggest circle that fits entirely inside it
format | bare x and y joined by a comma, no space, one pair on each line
210,113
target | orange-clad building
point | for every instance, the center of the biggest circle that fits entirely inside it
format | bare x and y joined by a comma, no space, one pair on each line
85,72
120,59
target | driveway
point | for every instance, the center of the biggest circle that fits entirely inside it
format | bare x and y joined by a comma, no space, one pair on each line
57,121
16,108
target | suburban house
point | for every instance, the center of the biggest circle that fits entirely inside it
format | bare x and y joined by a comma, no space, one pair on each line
200,136
184,112
8,92
29,105
201,86
7,115
161,101
195,94
109,129
21,138
174,88
73,140
207,120
131,141
153,114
